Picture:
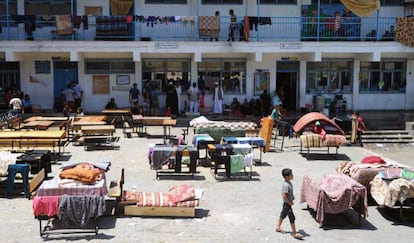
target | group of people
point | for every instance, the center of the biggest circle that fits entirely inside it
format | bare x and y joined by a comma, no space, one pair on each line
72,95
16,104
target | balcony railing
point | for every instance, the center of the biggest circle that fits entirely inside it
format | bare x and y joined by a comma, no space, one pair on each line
138,28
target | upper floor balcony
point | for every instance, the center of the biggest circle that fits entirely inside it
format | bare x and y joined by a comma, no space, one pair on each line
140,28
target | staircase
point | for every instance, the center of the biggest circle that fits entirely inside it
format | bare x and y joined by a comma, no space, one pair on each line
387,136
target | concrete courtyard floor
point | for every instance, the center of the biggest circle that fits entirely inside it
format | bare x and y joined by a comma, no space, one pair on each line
235,210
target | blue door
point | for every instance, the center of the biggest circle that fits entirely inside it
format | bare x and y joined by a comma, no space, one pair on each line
64,72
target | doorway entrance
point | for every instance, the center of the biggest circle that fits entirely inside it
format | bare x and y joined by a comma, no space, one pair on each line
287,82
64,72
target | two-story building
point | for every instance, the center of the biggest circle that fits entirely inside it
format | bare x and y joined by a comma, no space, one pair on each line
310,52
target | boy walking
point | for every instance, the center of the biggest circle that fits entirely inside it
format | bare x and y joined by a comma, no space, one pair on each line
288,197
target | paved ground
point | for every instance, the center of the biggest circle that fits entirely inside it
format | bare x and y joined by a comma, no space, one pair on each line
230,211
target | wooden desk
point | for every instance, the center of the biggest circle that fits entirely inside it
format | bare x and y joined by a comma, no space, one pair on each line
88,121
90,118
38,125
120,112
97,135
98,130
164,121
27,140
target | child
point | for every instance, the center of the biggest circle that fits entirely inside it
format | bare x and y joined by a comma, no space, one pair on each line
360,127
288,197
66,109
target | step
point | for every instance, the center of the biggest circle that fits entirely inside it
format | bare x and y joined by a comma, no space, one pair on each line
387,141
387,136
386,132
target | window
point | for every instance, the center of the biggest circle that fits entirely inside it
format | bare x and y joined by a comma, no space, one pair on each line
385,76
329,76
165,1
108,66
49,7
162,71
231,73
290,2
12,8
221,1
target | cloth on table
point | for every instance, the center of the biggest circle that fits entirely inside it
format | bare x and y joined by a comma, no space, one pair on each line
80,209
45,206
335,194
57,187
364,173
101,165
161,155
388,192
236,163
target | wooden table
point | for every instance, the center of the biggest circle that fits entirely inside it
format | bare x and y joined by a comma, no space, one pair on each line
164,121
119,112
38,125
31,139
88,121
97,135
90,118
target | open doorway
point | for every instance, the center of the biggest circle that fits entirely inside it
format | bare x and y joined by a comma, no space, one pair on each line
287,82
64,72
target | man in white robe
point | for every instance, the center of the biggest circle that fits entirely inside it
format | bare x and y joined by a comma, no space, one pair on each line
193,96
218,99
179,91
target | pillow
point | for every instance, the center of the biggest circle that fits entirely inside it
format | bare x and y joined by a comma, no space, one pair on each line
391,173
181,193
130,196
373,160
84,175
407,174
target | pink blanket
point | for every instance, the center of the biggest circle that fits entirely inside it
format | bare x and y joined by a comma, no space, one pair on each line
335,194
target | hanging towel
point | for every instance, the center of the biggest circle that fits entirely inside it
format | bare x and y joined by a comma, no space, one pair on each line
248,160
80,209
64,25
45,205
236,163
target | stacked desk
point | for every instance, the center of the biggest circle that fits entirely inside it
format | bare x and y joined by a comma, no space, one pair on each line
162,154
255,142
234,157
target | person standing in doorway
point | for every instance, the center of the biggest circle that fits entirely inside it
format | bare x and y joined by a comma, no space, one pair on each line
134,94
233,25
218,96
78,94
69,95
193,96
172,99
